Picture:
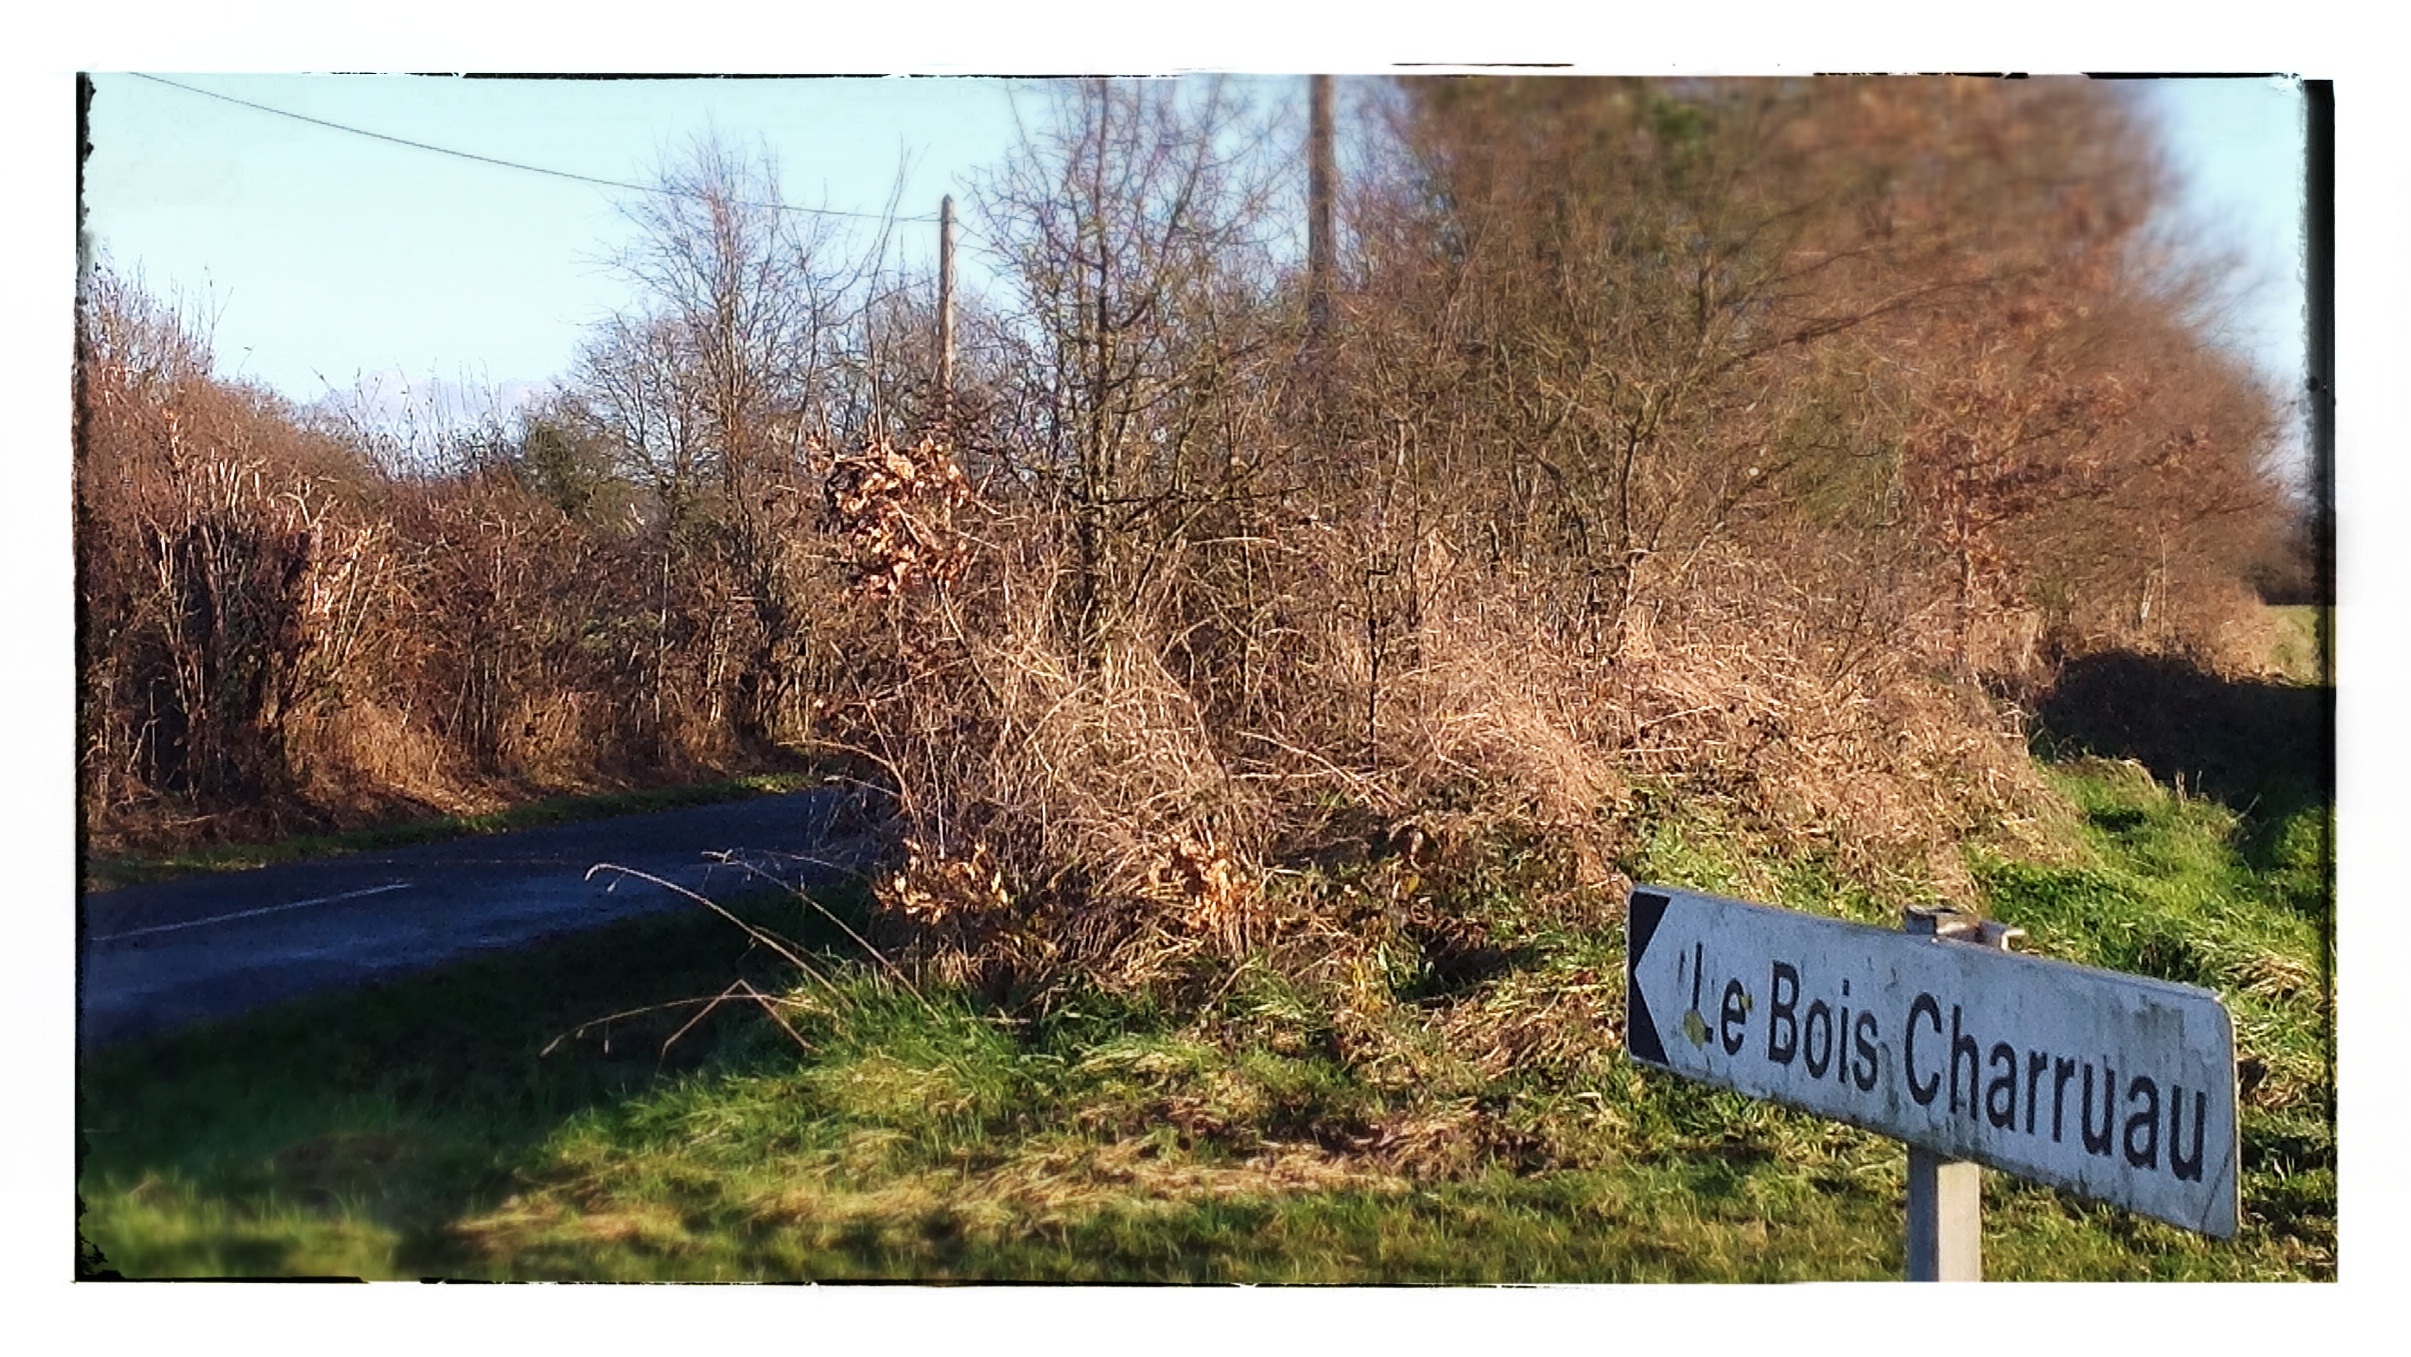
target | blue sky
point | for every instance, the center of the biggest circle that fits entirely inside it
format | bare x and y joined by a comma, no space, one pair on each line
327,258
324,256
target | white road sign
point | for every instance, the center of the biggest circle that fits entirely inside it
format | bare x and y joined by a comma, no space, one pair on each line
2115,1086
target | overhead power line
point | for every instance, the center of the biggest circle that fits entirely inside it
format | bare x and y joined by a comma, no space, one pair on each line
511,164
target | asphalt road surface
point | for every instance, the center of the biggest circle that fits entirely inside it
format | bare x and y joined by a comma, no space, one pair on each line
159,957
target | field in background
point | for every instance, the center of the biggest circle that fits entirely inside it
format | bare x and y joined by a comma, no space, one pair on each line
2294,652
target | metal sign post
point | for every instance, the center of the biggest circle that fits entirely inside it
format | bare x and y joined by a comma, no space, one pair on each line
1946,1218
2117,1087
1946,1196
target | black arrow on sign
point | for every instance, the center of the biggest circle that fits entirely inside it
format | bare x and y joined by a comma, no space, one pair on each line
1641,915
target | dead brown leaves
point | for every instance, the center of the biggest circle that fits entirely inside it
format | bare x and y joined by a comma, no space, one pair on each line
893,511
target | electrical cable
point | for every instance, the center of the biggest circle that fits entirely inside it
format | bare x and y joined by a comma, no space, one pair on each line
513,164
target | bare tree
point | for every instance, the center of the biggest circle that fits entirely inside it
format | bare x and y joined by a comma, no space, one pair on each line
1134,228
716,386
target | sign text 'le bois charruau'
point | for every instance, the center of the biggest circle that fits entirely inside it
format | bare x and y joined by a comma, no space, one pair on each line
2114,1086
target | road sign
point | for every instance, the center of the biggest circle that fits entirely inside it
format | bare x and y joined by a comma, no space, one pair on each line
2114,1086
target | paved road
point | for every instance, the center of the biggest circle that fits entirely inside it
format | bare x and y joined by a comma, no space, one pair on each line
154,958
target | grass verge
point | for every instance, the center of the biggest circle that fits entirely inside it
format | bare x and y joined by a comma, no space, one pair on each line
1407,1123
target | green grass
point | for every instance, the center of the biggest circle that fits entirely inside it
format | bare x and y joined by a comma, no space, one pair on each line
1416,1121
2171,889
108,873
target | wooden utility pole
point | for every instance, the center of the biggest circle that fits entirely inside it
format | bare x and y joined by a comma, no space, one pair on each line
1321,175
946,310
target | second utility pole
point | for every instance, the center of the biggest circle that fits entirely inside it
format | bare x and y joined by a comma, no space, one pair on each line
1320,172
946,311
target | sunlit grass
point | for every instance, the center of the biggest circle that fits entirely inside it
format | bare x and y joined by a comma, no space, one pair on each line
2295,650
2167,891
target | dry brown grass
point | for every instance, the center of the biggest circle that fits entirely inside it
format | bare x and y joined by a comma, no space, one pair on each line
281,633
1044,1185
1093,815
1061,815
